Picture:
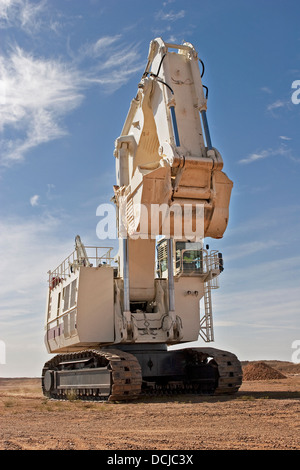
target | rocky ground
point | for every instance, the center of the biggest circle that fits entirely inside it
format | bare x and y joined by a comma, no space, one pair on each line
264,414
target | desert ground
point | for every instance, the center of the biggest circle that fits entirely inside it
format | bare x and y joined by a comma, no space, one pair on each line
263,415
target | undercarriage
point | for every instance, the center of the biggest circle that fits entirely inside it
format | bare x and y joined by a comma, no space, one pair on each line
118,375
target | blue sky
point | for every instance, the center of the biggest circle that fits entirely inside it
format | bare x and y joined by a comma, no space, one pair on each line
68,71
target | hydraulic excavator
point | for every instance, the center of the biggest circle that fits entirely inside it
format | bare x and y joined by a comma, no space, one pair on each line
121,326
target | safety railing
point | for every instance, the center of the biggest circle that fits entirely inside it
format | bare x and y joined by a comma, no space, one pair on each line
191,262
95,256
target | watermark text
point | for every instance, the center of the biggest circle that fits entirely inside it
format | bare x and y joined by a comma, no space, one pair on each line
2,352
149,221
296,353
296,93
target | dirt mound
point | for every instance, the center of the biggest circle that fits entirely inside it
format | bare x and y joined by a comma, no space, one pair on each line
261,371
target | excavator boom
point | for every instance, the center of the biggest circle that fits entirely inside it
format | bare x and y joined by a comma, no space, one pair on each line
164,154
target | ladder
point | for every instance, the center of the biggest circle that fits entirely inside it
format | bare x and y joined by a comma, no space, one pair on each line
206,329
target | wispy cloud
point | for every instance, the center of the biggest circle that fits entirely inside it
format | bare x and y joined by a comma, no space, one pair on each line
166,2
169,16
275,220
30,14
261,306
7,10
258,305
112,61
253,157
21,239
277,104
249,248
283,151
39,92
99,47
29,248
21,13
278,287
266,89
34,200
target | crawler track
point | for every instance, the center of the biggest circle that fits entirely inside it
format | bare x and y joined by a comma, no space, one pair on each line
121,372
115,375
230,373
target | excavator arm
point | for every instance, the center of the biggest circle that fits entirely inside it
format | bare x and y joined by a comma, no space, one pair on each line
164,154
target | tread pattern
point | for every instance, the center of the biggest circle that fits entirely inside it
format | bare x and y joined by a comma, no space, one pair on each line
125,373
229,370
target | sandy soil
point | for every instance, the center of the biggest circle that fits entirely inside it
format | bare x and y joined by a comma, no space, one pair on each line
262,415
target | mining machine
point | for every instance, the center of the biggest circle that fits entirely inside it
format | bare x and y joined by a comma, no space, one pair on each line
125,326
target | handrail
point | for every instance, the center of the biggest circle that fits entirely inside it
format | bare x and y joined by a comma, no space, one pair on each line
207,264
94,255
61,315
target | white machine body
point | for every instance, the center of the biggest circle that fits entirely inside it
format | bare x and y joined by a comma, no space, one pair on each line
170,194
